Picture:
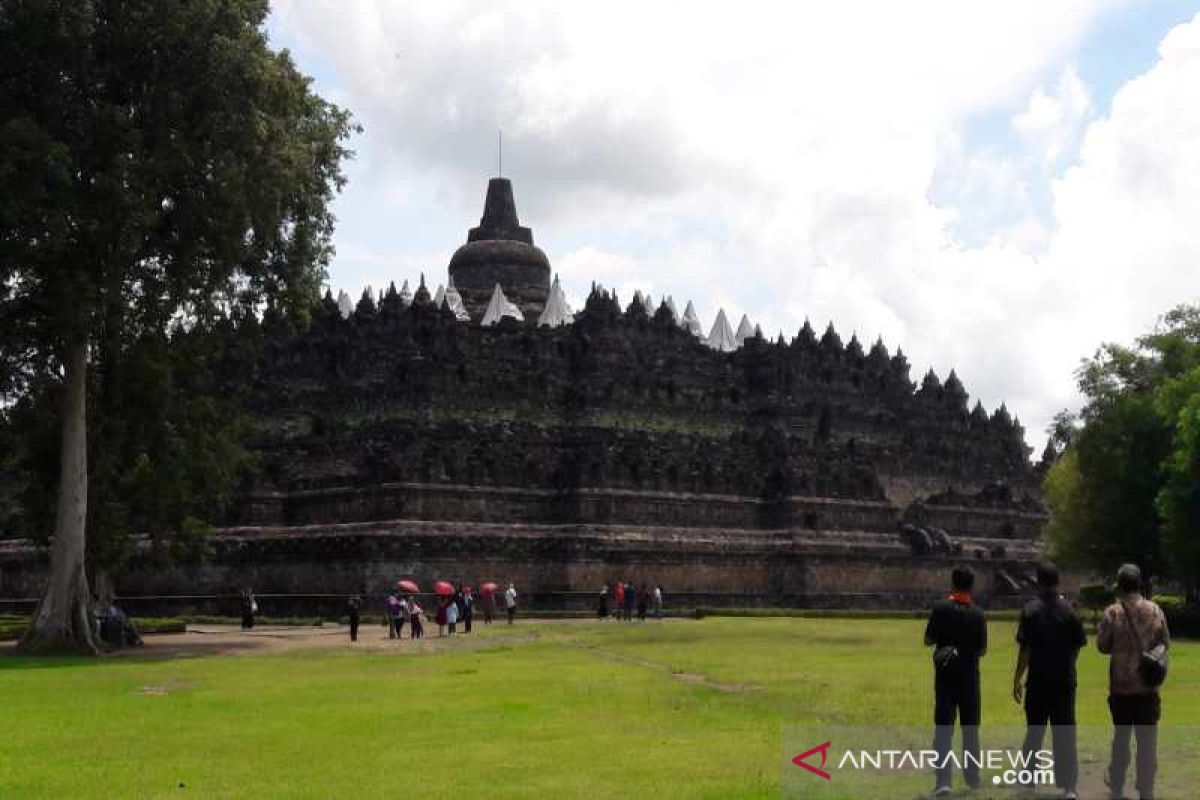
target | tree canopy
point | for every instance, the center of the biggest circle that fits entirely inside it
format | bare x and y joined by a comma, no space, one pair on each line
1127,485
162,169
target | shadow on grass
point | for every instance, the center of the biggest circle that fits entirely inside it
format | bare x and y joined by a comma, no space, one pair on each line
12,659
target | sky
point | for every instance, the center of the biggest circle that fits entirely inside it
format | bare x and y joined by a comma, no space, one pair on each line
995,188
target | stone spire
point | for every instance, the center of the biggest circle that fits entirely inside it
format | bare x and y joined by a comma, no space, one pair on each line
691,322
670,304
557,311
500,307
721,336
406,295
439,296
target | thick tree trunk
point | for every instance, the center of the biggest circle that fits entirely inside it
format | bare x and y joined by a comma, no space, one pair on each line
63,621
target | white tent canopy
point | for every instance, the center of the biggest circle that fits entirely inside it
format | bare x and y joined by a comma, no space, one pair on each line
500,307
558,310
721,336
690,322
745,331
454,303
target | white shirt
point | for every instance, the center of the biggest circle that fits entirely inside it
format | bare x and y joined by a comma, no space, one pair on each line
510,597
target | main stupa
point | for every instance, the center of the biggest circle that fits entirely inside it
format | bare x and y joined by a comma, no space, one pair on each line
501,251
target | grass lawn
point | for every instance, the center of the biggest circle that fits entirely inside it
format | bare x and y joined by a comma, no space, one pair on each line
681,709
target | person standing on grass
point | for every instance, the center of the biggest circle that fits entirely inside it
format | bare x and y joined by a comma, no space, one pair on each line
249,609
439,616
415,612
402,613
489,607
630,601
468,609
510,602
452,616
353,604
602,608
643,598
957,631
658,602
1050,634
619,594
1133,631
393,614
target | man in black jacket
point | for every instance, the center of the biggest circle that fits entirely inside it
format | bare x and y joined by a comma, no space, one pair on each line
1050,634
957,631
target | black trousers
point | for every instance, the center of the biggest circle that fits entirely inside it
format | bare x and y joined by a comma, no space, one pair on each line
1138,715
1054,705
354,628
956,694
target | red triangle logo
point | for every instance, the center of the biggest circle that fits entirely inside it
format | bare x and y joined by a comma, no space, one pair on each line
823,749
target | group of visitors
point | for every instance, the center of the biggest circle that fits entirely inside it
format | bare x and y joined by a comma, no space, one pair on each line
1133,632
626,597
452,609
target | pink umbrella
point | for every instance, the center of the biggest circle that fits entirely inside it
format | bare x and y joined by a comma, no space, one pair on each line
443,588
408,586
488,588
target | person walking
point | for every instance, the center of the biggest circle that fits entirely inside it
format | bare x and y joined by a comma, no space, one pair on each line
630,600
510,602
354,603
643,598
1133,632
957,630
249,609
415,625
452,616
393,615
468,609
619,594
602,607
1050,634
658,602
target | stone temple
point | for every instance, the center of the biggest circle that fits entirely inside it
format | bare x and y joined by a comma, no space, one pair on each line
486,431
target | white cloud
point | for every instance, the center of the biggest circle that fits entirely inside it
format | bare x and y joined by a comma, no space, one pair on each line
791,161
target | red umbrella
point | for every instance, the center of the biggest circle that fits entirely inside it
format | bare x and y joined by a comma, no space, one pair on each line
443,588
408,586
488,588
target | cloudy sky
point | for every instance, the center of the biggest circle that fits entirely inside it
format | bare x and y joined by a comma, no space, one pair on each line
997,189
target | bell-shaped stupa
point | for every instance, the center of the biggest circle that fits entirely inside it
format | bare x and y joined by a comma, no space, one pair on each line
501,251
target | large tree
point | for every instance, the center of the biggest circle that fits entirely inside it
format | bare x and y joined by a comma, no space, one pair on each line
1127,486
160,165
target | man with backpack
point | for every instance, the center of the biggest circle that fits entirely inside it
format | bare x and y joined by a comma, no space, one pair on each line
957,631
1134,633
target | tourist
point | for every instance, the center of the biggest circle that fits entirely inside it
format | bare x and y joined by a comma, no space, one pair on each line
1133,631
643,598
602,607
489,606
658,602
619,594
439,616
416,627
1050,634
393,614
452,616
510,602
630,600
468,609
249,609
402,615
354,603
957,631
